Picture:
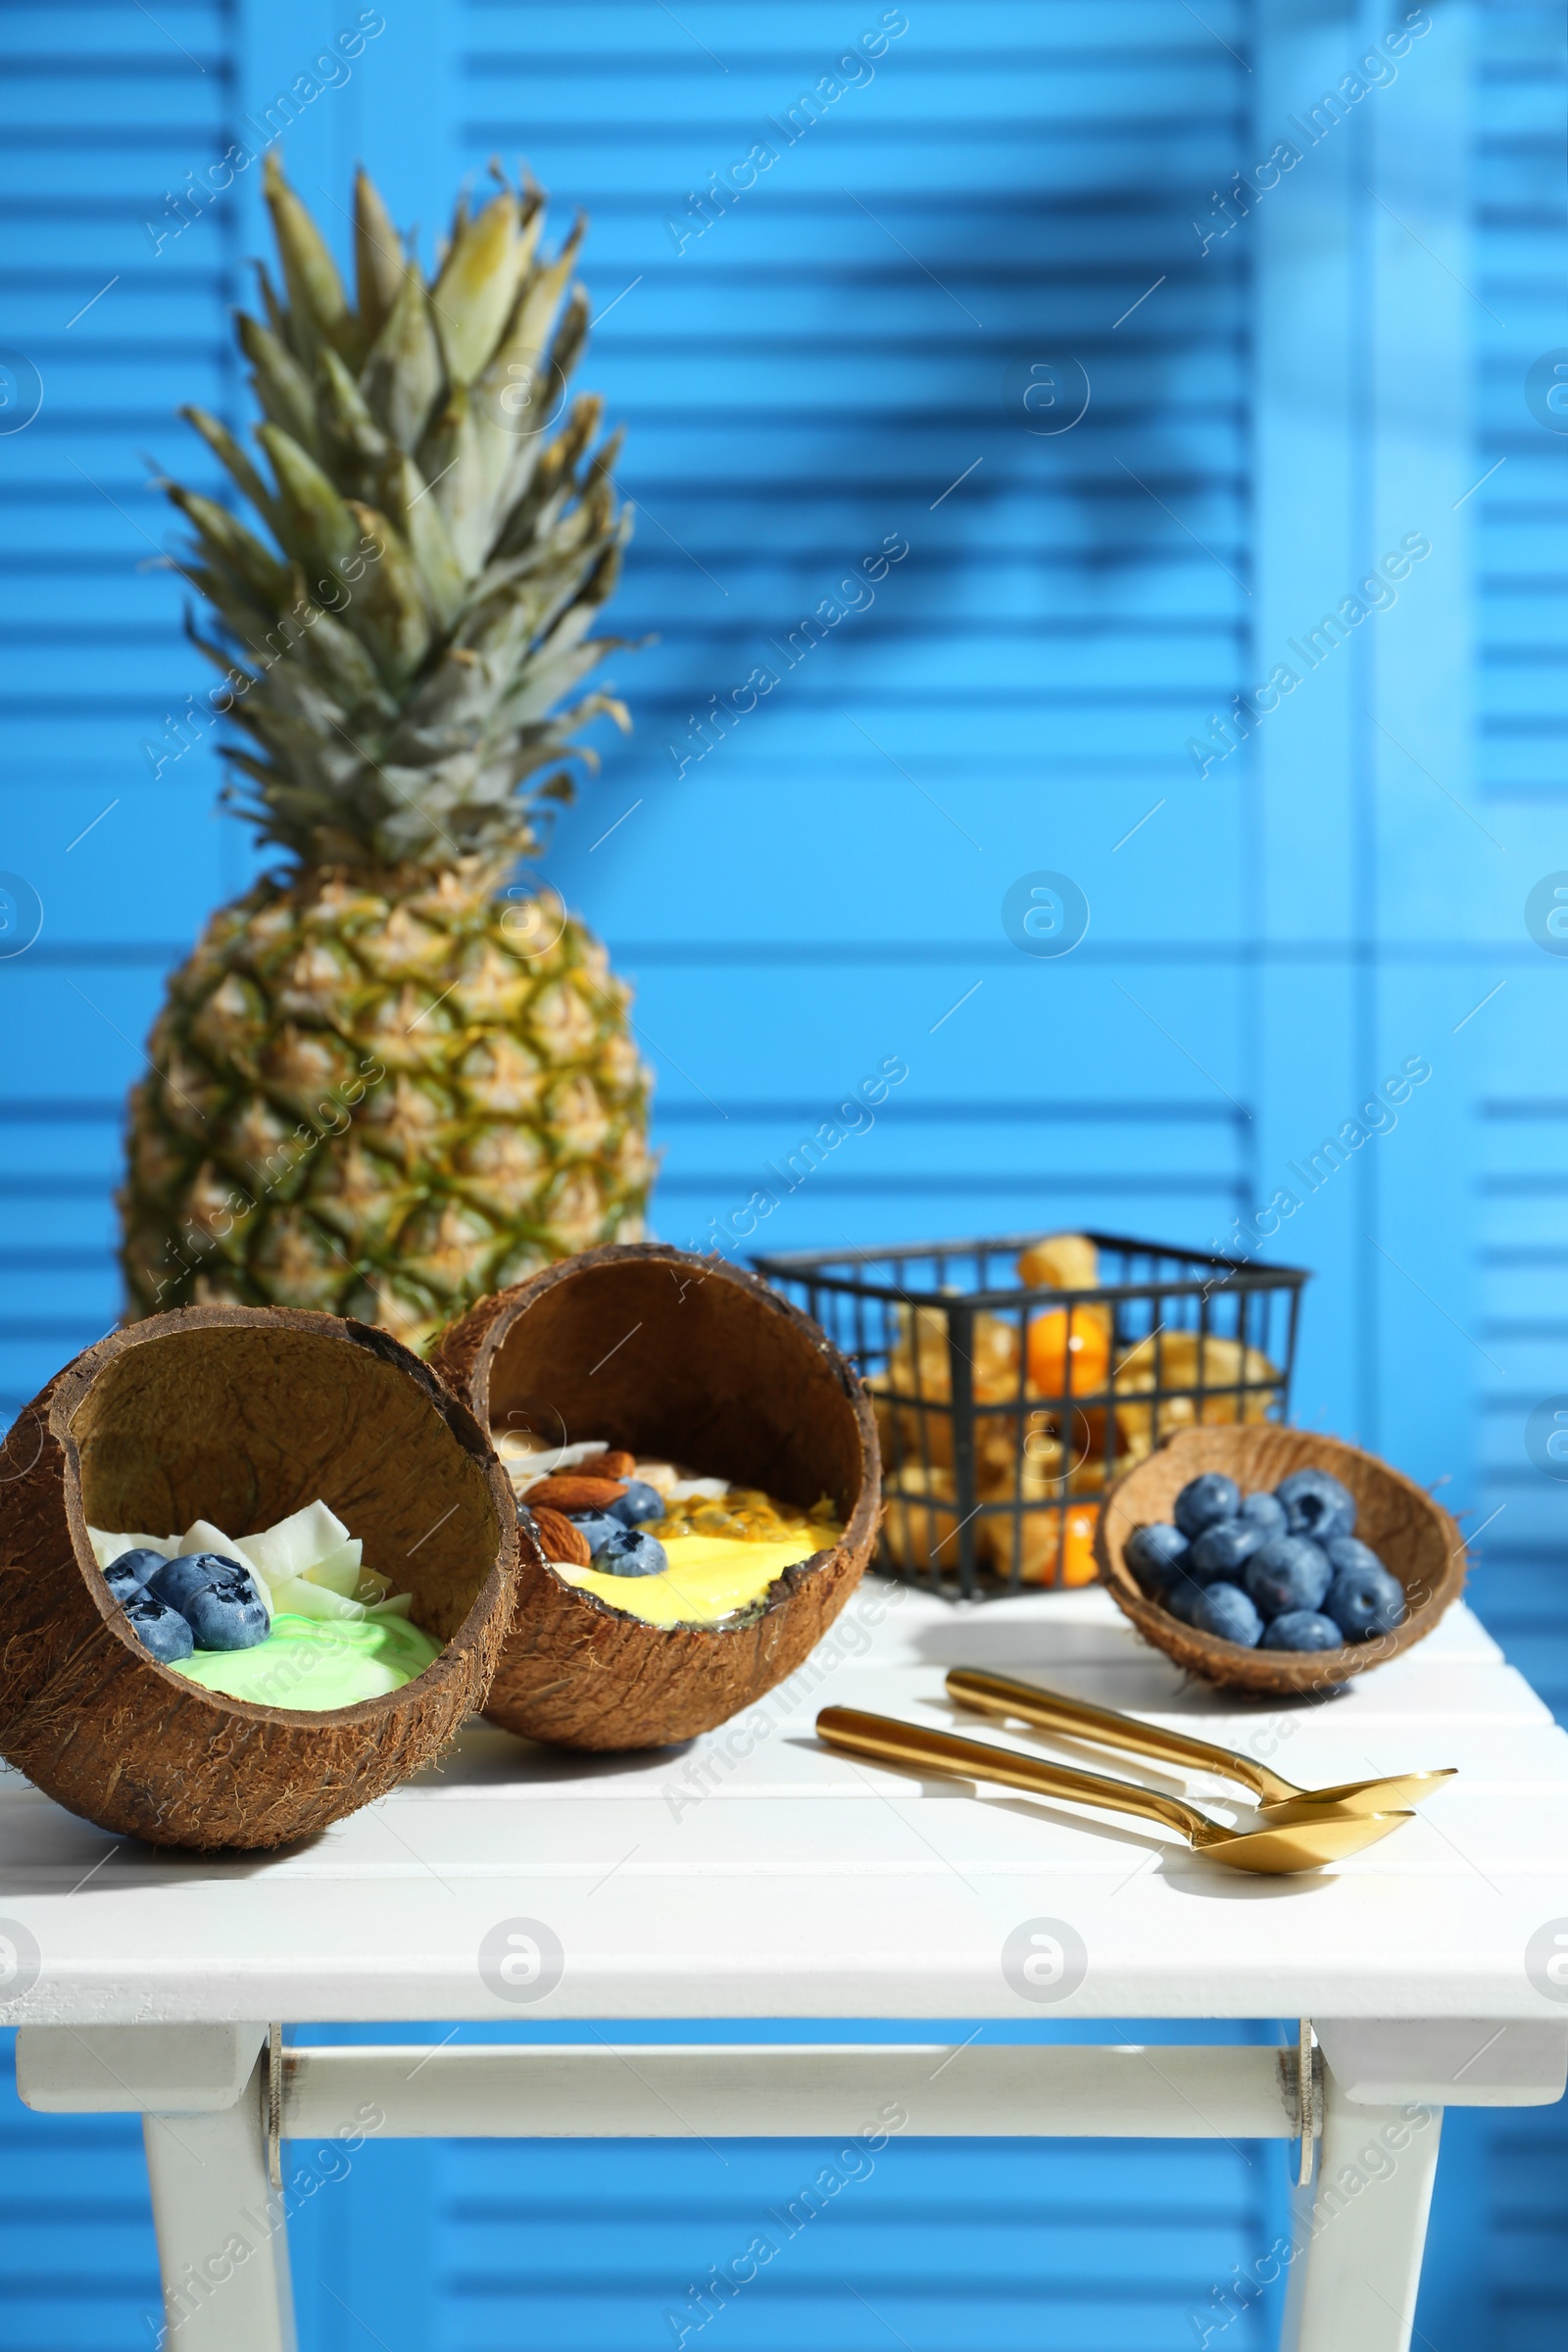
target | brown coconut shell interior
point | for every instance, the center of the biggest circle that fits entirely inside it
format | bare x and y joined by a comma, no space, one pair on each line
241,1416
677,1358
245,1426
675,1364
1413,1535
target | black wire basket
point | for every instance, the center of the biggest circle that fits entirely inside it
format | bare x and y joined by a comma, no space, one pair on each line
1006,1407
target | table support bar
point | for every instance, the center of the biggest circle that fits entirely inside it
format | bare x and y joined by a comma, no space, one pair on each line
680,2092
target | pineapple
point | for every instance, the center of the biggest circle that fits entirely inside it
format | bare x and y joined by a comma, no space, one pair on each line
389,1080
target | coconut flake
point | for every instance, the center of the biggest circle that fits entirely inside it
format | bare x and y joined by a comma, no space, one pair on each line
526,1469
340,1571
313,1600
518,1446
660,1476
107,1548
296,1544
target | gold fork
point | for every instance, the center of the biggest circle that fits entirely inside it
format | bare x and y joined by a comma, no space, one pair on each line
1280,1800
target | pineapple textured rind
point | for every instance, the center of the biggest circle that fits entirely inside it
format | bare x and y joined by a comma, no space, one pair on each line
358,1146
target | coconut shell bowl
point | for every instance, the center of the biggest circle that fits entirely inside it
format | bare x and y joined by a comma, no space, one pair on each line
240,1416
692,1360
1412,1535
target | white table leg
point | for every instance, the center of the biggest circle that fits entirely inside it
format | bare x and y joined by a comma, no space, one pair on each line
1358,2230
223,2243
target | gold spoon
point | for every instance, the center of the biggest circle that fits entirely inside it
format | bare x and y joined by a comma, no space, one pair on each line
1304,1844
1280,1800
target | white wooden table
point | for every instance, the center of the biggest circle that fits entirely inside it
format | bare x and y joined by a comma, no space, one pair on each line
756,1875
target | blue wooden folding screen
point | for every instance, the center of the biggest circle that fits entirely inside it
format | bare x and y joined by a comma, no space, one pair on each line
855,272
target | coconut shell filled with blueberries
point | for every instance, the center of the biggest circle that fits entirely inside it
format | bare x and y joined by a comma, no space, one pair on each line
1276,1560
256,1566
697,1467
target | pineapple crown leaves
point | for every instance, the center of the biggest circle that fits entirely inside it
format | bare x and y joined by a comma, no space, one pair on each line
401,647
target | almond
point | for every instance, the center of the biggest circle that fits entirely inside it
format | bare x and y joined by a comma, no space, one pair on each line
560,1539
615,1465
569,1493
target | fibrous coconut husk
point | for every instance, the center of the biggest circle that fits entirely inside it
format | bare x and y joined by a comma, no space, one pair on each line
239,1416
1413,1535
687,1360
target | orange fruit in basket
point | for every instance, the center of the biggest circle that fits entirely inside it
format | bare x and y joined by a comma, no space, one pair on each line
1069,1352
1050,1547
1078,1564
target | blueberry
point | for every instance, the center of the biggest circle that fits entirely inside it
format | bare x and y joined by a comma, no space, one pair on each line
1317,1506
216,1597
1183,1595
1204,1501
1223,1550
1364,1599
1349,1551
174,1581
1154,1554
1289,1575
1302,1628
1266,1511
640,1501
228,1617
1225,1610
631,1553
597,1526
129,1573
160,1630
